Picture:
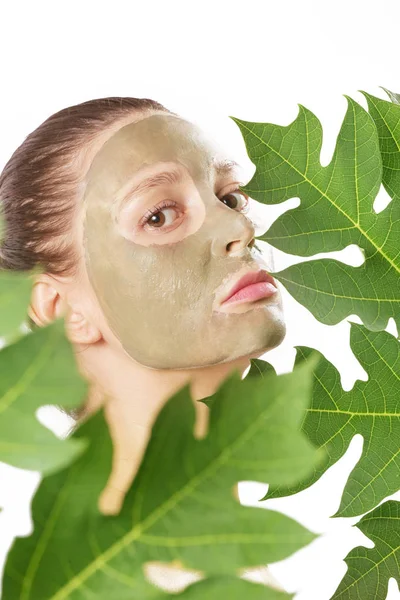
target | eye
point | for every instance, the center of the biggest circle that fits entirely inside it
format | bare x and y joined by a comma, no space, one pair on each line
161,216
237,200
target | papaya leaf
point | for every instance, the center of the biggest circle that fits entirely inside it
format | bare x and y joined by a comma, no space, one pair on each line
216,588
15,291
371,408
336,209
393,96
386,116
181,506
260,368
369,569
37,370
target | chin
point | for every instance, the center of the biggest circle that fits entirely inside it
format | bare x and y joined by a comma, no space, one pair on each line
272,338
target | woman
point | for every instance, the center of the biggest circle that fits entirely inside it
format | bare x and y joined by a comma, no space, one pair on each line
147,251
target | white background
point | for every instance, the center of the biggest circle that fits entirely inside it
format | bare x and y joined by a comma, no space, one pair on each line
254,60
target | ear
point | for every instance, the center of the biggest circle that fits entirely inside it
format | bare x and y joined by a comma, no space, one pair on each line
46,302
49,302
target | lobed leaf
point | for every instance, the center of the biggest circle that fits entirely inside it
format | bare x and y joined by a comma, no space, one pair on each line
37,370
369,569
336,209
371,408
181,506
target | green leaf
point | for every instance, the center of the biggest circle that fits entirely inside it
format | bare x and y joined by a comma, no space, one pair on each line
37,370
371,408
335,211
394,97
218,588
181,506
15,292
386,116
369,569
260,368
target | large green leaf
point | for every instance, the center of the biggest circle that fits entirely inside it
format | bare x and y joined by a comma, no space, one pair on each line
336,209
369,569
181,506
37,370
371,408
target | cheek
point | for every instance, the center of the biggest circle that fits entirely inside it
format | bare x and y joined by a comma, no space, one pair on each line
172,272
156,291
148,280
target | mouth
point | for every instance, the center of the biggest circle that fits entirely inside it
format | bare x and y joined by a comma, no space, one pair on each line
252,286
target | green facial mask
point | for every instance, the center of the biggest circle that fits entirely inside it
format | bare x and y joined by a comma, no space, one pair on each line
156,289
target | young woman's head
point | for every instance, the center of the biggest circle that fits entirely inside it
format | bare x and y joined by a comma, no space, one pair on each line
135,216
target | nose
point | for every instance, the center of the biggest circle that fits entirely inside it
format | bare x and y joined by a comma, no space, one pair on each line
235,235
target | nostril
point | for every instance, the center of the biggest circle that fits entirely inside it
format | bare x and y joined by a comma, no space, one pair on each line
251,243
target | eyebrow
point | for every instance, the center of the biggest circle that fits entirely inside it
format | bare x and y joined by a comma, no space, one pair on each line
175,175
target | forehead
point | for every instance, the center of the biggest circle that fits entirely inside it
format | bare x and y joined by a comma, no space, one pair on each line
157,137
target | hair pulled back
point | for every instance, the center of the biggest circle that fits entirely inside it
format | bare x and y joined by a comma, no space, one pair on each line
39,185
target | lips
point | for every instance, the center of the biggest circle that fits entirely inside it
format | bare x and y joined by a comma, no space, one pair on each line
252,286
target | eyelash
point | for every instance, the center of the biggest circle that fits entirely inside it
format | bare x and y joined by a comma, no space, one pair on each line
153,211
172,204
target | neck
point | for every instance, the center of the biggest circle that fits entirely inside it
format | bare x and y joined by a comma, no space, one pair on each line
132,395
137,392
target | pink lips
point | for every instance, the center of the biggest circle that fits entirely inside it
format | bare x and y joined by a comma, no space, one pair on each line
252,286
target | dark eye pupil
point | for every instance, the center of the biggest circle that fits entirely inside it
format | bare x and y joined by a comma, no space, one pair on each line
233,203
157,219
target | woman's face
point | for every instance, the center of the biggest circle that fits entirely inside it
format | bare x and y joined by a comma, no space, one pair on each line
161,255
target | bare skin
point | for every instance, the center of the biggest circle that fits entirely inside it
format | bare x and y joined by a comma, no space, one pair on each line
132,399
130,392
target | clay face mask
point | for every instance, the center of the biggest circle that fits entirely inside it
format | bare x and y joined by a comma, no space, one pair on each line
156,276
